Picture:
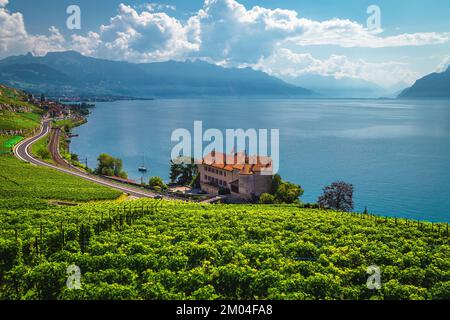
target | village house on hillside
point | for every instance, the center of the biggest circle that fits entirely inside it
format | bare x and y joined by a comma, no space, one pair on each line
242,176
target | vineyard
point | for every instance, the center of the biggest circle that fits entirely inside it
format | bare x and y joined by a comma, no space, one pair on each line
18,121
152,249
27,186
149,249
15,113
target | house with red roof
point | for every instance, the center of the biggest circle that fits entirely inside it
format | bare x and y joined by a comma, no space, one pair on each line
244,177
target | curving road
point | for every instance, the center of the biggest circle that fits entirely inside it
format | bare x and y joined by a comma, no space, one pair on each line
22,151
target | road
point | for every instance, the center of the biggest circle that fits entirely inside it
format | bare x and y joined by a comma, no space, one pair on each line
22,151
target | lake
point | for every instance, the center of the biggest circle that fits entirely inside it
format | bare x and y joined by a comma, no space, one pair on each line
395,153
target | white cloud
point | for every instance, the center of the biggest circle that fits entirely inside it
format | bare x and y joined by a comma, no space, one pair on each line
285,63
227,32
346,33
231,32
444,64
133,36
159,7
14,38
224,32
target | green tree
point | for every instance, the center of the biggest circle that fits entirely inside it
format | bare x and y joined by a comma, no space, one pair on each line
74,157
288,193
276,182
43,153
196,181
266,198
337,196
157,182
110,166
183,171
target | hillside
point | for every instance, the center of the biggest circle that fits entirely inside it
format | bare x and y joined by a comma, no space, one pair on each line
70,73
26,186
148,249
18,118
435,85
15,112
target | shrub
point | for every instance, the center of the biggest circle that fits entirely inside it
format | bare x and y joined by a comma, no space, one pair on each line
266,198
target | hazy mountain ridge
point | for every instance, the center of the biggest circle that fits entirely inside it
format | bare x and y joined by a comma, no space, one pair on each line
70,73
345,87
434,85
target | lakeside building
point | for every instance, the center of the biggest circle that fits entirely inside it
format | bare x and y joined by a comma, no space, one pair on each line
244,177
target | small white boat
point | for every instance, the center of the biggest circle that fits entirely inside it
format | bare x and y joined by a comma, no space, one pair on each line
143,168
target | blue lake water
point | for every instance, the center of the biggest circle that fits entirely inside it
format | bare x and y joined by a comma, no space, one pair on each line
395,153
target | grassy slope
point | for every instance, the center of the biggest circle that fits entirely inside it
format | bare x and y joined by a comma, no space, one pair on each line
24,181
17,121
42,144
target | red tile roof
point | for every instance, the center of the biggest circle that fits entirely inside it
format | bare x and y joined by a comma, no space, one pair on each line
246,165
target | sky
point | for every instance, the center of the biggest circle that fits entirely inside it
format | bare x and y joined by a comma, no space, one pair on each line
285,38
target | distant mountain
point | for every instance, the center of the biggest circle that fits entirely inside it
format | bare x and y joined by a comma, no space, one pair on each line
435,85
70,73
346,87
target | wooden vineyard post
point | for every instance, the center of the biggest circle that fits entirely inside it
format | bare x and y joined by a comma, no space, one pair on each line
36,245
62,235
41,238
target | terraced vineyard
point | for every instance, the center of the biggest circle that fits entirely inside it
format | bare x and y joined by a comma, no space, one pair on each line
7,143
17,118
18,121
16,113
26,186
170,250
148,249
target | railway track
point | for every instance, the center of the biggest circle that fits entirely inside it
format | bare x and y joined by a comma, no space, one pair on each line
22,152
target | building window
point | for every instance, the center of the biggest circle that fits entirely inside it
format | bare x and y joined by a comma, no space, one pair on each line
206,177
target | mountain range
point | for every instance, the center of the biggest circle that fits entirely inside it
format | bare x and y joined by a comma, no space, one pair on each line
72,74
435,85
345,87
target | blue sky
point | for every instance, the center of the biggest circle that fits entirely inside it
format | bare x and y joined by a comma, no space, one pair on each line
286,38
